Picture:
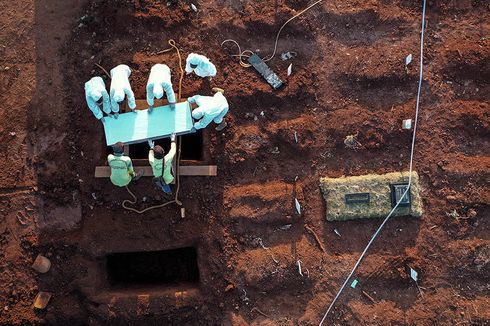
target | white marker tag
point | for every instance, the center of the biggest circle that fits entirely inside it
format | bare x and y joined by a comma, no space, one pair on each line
290,69
408,59
413,274
298,206
407,124
353,284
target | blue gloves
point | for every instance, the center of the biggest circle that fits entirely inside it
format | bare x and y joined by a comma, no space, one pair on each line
158,82
204,67
151,143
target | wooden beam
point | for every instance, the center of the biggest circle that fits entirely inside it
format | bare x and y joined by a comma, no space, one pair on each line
199,170
188,170
143,105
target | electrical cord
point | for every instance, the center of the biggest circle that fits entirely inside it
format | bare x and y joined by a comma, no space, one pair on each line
410,175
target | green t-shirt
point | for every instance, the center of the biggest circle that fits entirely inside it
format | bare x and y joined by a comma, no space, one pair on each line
156,164
121,169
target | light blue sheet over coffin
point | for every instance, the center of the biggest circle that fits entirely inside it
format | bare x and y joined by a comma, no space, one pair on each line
139,126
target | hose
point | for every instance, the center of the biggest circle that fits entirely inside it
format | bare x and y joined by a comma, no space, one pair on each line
176,200
245,53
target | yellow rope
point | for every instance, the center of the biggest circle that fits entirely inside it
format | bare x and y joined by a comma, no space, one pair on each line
244,53
172,44
103,69
240,53
164,51
177,174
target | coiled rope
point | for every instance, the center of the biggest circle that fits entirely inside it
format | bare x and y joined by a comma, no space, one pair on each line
409,178
176,200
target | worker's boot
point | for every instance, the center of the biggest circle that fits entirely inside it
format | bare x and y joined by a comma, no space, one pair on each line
166,189
221,126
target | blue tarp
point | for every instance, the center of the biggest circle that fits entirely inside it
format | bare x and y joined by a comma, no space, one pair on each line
139,126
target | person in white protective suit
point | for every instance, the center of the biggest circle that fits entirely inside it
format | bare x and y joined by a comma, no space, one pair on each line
120,87
96,96
200,65
211,108
158,83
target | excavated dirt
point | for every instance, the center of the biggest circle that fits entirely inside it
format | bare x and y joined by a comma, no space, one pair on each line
233,259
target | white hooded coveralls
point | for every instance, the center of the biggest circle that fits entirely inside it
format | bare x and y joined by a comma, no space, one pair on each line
120,87
204,67
158,82
211,108
94,90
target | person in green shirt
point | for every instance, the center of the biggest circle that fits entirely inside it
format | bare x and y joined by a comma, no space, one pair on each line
162,164
122,172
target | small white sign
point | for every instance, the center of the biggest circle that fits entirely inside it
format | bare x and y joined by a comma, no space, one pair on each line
413,274
298,206
193,7
290,69
408,59
353,284
407,124
296,137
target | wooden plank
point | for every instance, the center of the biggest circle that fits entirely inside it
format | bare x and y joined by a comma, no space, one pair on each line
143,105
199,170
189,170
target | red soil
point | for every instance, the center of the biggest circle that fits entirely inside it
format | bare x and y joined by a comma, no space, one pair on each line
349,77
